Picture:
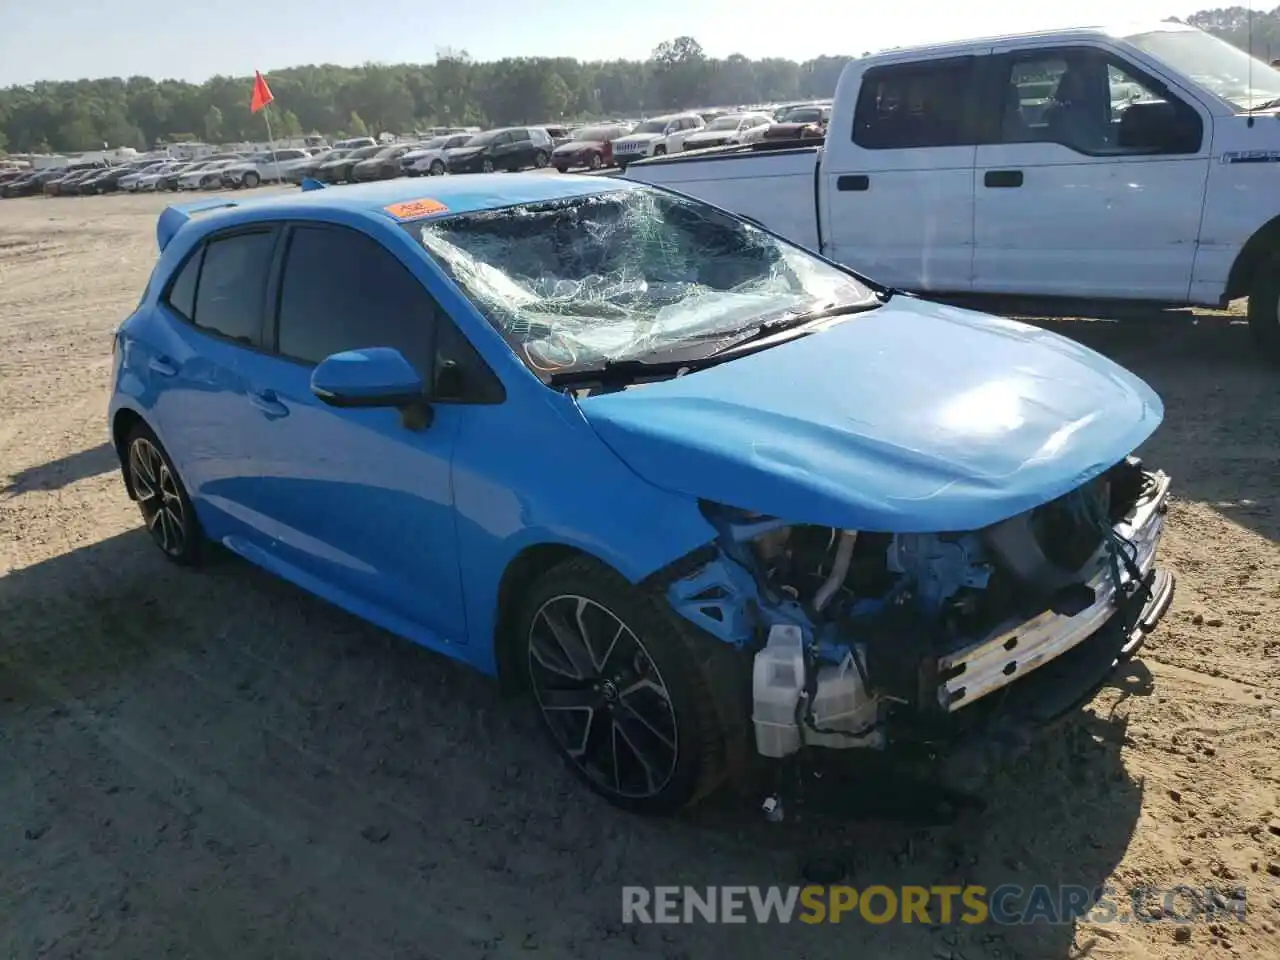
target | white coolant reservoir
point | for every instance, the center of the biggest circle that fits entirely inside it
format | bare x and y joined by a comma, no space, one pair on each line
843,707
777,682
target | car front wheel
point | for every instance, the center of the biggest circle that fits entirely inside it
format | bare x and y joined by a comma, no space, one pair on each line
436,169
486,165
251,180
623,687
162,499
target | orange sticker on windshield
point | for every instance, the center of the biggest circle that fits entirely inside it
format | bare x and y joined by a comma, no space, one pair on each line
412,209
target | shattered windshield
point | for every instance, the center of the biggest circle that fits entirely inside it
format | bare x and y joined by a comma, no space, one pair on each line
1244,81
625,275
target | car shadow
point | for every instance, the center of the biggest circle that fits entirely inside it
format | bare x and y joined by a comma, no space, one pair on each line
63,472
1220,439
260,704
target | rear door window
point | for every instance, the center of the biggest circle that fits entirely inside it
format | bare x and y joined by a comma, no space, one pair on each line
232,285
916,105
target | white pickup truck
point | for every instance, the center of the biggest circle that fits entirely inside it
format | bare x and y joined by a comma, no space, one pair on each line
1140,165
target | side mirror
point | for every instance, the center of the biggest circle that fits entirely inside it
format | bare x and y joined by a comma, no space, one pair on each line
372,377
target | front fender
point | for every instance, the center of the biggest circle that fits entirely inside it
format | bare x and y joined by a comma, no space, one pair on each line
592,503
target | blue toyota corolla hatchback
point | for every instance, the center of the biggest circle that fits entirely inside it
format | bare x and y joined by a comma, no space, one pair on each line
700,492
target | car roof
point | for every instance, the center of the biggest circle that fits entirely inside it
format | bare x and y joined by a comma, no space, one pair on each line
465,193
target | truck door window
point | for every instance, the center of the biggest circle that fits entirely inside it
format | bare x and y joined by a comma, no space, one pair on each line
914,105
1079,98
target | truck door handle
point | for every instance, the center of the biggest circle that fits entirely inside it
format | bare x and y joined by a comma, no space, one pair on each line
853,181
1002,178
269,404
163,366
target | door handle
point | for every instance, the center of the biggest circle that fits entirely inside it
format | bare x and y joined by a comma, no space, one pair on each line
1002,178
269,404
853,181
163,366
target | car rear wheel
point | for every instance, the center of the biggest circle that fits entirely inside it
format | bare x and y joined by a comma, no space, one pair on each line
486,165
540,159
251,180
595,163
436,169
162,499
623,687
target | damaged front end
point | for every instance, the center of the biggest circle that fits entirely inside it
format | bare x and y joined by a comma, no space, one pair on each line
879,641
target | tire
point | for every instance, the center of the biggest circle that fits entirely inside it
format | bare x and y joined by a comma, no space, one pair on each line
595,163
486,165
162,499
1264,306
250,180
540,159
660,150
560,169
436,169
644,687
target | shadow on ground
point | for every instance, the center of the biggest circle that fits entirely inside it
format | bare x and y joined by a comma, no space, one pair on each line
62,473
212,762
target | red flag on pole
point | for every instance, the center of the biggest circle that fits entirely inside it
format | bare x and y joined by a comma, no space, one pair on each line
261,93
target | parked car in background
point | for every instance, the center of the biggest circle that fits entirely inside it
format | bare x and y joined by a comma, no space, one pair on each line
74,174
808,122
149,180
30,184
508,148
383,165
656,137
558,133
590,146
260,168
429,158
338,170
130,182
108,181
355,143
732,128
295,171
205,178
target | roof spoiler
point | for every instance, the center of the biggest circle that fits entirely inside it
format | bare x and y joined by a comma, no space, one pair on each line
174,217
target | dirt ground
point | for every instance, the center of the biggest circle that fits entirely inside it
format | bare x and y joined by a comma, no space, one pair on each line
213,764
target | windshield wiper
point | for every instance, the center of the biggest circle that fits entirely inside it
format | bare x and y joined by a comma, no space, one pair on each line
794,321
624,371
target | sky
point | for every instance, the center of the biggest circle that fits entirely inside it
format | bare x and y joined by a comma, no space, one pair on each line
171,38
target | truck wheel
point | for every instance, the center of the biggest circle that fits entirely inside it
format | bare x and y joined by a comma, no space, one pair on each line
1264,306
624,686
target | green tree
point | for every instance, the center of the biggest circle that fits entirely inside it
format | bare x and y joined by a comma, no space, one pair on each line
212,124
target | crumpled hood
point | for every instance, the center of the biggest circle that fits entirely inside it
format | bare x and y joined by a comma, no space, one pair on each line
913,418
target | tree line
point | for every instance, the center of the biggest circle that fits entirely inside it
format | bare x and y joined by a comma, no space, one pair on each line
455,90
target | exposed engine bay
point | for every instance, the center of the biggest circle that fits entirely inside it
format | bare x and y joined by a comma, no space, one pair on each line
853,631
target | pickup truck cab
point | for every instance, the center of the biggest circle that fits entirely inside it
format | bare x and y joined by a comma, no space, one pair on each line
1140,164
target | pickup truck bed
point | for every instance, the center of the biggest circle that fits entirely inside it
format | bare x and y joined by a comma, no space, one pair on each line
776,185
